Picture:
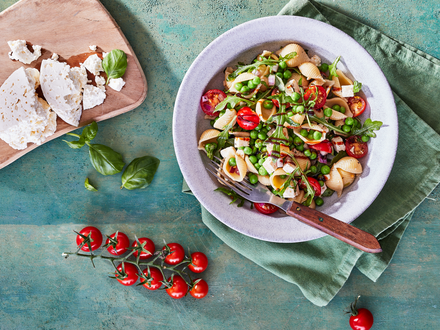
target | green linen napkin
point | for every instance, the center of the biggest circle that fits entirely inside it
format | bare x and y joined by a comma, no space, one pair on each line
321,267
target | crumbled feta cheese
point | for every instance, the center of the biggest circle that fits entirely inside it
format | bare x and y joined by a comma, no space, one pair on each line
228,152
241,142
55,57
116,84
323,188
94,64
291,192
347,91
104,54
338,144
100,82
270,165
289,168
93,48
315,59
93,96
20,52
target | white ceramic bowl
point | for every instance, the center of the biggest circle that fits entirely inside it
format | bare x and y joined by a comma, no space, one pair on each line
242,44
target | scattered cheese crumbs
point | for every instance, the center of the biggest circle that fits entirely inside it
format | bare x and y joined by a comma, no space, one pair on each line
94,64
116,84
338,144
290,192
55,57
20,52
347,91
93,48
289,168
270,165
100,82
93,96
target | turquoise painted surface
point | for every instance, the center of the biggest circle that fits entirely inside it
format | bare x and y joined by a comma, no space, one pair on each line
42,199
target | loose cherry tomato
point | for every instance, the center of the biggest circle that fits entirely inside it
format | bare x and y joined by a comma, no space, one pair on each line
179,288
265,208
200,289
121,246
357,105
149,246
247,119
210,100
95,235
199,262
360,319
355,147
325,146
314,183
156,277
177,254
132,274
317,94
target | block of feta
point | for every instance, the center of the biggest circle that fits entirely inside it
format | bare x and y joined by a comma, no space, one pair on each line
100,82
62,88
291,192
93,96
20,52
116,84
241,142
289,168
24,117
338,144
270,165
347,91
93,64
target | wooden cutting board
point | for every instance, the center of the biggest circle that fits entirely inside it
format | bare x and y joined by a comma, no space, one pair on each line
68,28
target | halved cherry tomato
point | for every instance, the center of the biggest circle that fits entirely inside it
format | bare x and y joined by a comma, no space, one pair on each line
314,183
132,274
121,246
265,208
199,262
95,235
317,94
149,246
156,277
200,289
247,119
179,288
210,100
357,105
325,146
355,147
177,254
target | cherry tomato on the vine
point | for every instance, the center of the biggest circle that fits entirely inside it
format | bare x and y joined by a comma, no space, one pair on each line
179,288
360,319
357,105
95,235
149,246
200,289
355,147
265,208
317,94
325,146
210,100
156,276
132,274
177,254
199,262
121,246
247,119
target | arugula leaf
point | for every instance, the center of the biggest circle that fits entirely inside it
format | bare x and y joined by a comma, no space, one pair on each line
357,86
234,196
140,172
224,135
368,128
327,193
332,68
256,64
115,64
280,84
104,159
233,101
310,192
89,186
327,124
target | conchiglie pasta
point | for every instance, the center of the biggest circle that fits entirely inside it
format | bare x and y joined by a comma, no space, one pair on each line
278,178
300,57
250,167
264,180
341,102
236,173
334,181
226,119
349,164
208,136
264,113
347,177
310,71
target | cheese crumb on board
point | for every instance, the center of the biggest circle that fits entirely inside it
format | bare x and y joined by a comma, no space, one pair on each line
116,84
93,96
55,57
20,52
93,64
93,48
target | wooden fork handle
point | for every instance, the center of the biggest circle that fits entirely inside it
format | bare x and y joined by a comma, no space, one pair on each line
336,228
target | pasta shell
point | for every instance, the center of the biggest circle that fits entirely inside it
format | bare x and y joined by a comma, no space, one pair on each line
267,54
347,177
207,136
297,131
264,113
241,77
310,70
241,168
298,198
301,55
228,152
298,77
264,180
292,86
312,204
250,167
334,181
349,164
225,119
297,118
276,179
226,83
318,113
343,79
304,162
341,102
336,115
318,82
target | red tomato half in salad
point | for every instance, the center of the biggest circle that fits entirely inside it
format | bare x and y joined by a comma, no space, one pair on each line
317,94
121,246
247,119
210,100
265,208
357,105
315,185
95,235
355,147
325,146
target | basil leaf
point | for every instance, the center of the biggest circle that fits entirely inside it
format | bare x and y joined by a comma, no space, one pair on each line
140,172
89,186
357,86
114,64
89,132
76,144
104,159
332,68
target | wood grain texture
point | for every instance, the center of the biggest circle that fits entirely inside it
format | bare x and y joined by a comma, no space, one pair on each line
68,28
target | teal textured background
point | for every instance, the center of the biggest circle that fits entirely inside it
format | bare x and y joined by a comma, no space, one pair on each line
42,199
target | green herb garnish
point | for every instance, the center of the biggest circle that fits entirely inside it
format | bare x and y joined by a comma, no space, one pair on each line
140,172
114,64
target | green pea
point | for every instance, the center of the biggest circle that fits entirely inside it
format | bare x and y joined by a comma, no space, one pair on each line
257,166
260,125
311,135
283,65
240,148
296,96
259,144
232,161
253,134
261,161
264,149
279,74
304,132
222,113
313,155
253,178
259,156
365,138
262,136
336,107
287,74
342,109
317,135
328,112
300,147
253,159
268,104
346,128
289,114
297,141
251,84
358,124
256,80
313,169
212,122
319,201
229,106
294,109
307,152
248,150
321,183
324,67
325,169
264,130
349,121
262,171
300,109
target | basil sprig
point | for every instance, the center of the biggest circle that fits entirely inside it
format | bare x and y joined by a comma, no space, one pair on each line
114,64
140,172
89,186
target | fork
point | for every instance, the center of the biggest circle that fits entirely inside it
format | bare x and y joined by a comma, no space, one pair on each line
260,194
